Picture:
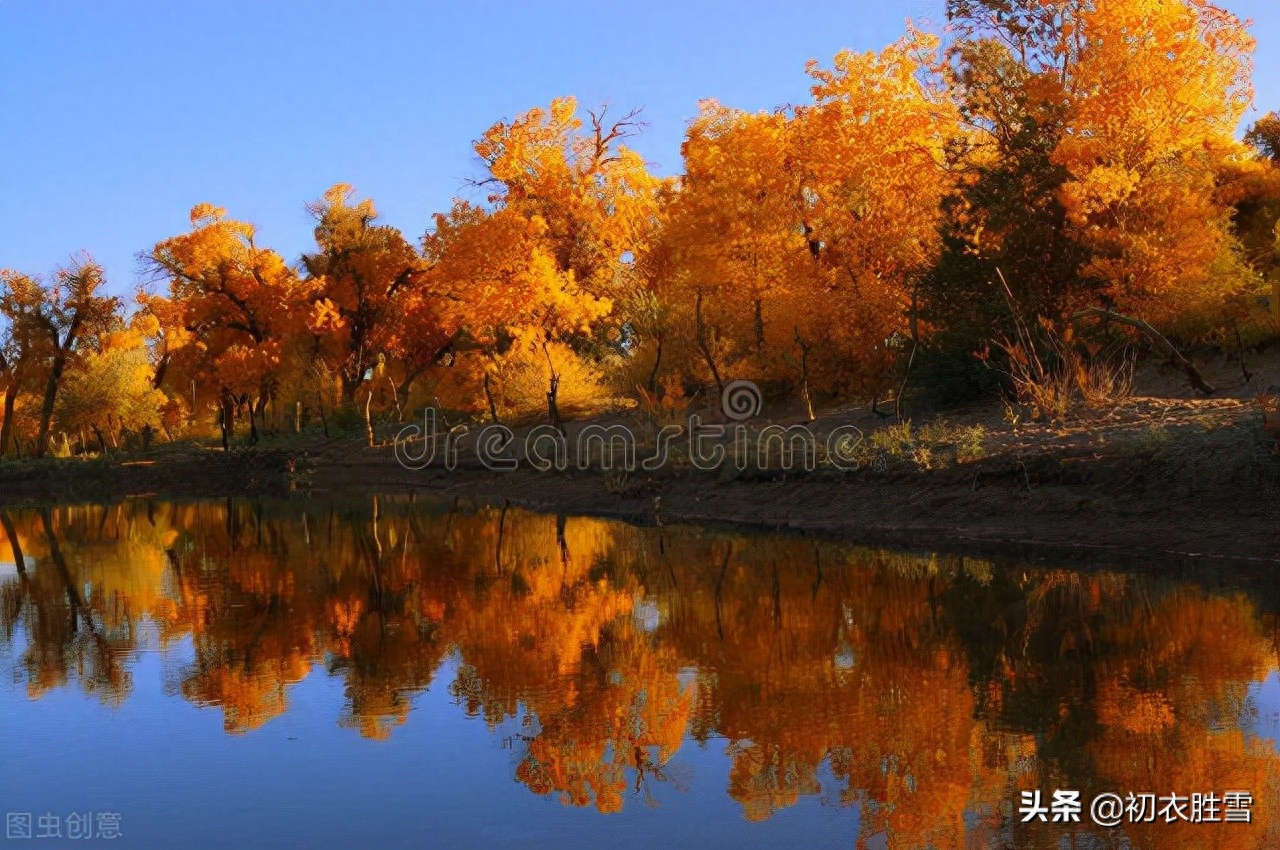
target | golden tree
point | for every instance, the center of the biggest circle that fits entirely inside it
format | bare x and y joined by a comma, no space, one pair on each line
231,306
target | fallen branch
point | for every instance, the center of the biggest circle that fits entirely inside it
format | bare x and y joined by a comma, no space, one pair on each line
1157,341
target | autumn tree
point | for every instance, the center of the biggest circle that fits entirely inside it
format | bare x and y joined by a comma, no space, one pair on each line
1252,188
368,278
72,318
802,233
231,307
1154,99
1264,135
567,206
112,387
736,229
24,346
1098,132
873,148
514,302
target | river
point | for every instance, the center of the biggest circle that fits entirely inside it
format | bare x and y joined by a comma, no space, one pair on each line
395,673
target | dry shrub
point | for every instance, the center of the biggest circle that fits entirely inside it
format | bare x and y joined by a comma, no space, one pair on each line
1053,378
664,407
1052,374
1106,380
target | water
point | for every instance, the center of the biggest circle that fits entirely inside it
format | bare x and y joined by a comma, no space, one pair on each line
395,674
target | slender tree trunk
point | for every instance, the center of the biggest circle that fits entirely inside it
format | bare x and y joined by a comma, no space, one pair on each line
6,430
553,389
553,411
324,420
657,361
368,417
700,334
488,395
226,419
404,390
157,380
1244,369
50,396
253,420
260,408
804,374
395,398
349,387
15,545
902,388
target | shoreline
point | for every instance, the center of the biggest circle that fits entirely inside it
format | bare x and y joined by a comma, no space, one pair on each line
1203,484
897,514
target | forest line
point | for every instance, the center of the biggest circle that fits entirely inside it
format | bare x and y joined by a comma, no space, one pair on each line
1040,191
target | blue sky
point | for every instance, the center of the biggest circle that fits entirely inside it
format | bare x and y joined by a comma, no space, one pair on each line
118,117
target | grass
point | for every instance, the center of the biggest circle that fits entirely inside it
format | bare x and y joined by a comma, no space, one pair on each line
936,445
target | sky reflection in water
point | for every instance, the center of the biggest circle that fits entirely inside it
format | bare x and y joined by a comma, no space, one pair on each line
387,674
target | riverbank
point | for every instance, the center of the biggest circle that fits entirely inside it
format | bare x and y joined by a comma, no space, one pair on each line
1151,479
1183,480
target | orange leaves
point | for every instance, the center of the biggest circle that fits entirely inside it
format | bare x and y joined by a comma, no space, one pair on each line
1084,148
810,225
1101,137
1153,98
230,302
873,143
364,277
324,318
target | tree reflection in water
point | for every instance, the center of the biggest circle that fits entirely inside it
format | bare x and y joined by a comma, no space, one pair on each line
930,689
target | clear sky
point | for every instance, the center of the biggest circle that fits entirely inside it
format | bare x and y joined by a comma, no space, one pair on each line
118,117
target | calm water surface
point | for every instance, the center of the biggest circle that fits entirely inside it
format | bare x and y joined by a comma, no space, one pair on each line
395,674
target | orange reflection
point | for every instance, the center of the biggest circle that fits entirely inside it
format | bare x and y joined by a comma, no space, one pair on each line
928,690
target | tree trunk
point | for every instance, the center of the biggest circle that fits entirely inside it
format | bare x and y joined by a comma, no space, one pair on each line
6,430
324,420
488,395
553,411
157,380
259,410
349,387
226,419
902,388
404,389
253,419
1158,342
368,417
50,396
657,361
804,375
700,334
15,545
553,389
